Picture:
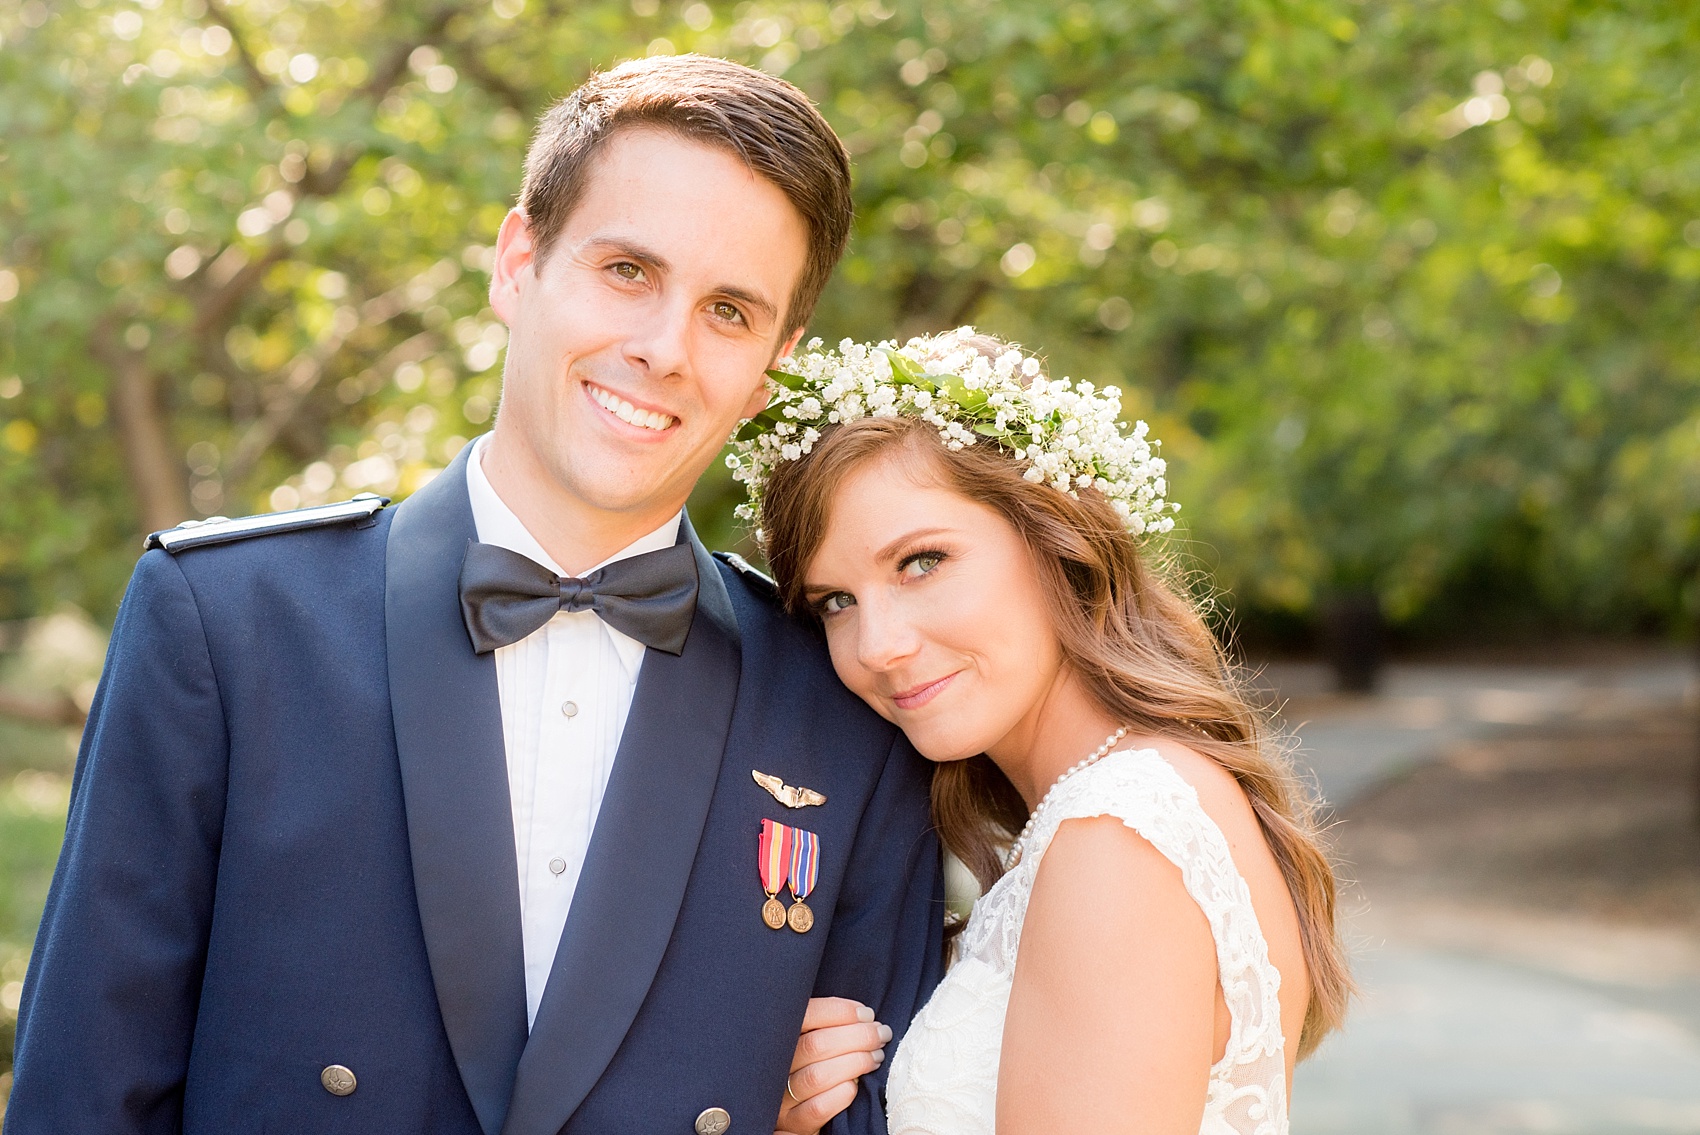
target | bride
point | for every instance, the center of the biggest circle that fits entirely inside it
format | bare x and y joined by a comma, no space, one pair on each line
1155,945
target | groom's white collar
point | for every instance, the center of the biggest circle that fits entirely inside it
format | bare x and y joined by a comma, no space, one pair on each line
497,524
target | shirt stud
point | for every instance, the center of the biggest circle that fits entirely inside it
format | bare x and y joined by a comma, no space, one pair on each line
557,865
570,708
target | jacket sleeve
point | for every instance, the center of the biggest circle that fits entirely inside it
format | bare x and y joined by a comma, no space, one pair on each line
886,948
109,1003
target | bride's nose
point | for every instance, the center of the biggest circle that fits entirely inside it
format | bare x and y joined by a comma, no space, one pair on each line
884,638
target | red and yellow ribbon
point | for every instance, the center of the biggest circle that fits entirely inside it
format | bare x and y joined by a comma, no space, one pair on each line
777,842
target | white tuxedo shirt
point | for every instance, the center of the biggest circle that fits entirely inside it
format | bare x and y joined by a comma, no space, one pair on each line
565,691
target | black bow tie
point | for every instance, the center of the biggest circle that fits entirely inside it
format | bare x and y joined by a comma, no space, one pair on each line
504,596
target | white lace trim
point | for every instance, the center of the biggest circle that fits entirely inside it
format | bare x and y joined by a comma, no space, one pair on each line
944,1076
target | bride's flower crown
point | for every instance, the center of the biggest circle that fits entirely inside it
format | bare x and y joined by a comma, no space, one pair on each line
1067,434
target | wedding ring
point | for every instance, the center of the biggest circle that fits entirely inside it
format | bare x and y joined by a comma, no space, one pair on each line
789,1092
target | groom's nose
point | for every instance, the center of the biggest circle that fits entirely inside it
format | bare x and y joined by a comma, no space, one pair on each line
659,341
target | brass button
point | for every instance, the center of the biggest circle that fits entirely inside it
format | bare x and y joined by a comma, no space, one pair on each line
338,1081
570,708
713,1121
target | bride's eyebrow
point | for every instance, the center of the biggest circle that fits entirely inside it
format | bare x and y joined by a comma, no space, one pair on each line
810,590
907,541
891,551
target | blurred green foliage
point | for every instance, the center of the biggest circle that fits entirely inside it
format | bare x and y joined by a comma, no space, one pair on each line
32,825
1409,288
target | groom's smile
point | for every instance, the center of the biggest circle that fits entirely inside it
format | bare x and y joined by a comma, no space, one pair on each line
646,419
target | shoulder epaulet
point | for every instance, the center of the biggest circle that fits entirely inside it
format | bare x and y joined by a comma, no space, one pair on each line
222,529
761,580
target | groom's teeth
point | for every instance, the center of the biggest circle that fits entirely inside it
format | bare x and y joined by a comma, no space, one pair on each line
626,412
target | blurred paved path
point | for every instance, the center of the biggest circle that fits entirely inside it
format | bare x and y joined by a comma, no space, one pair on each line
1481,1013
1448,1044
1354,743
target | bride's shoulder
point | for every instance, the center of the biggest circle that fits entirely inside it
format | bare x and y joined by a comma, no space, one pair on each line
1155,779
1129,819
1140,816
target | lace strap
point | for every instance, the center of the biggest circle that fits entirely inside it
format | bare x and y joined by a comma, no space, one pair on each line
1145,792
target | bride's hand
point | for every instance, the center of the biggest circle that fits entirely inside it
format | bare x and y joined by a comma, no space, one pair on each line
841,1043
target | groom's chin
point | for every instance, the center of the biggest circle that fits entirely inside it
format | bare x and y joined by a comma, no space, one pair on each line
614,481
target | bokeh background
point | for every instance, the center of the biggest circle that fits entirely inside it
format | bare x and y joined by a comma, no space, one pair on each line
1407,287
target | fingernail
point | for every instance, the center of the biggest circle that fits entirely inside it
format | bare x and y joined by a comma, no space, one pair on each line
864,1014
885,1034
879,1057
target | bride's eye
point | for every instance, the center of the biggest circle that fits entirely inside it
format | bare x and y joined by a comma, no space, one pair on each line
836,602
919,564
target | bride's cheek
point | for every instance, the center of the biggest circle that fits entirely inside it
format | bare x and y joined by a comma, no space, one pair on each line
841,648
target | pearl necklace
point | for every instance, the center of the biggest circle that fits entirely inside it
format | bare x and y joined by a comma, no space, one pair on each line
1091,759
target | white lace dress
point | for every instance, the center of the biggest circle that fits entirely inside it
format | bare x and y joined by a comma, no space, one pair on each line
944,1077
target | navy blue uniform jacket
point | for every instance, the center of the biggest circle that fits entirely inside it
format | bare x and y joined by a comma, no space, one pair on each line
290,846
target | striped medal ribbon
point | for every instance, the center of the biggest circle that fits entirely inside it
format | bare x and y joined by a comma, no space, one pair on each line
774,862
805,872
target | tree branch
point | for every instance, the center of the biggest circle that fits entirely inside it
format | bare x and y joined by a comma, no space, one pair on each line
978,289
925,305
469,56
385,75
54,709
158,480
303,373
303,376
219,301
216,306
258,85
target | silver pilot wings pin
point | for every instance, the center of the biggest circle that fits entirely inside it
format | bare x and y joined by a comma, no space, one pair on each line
791,797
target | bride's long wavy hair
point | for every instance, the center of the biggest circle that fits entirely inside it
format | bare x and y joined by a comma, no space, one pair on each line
1141,645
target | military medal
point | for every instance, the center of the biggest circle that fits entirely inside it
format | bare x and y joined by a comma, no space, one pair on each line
774,863
805,871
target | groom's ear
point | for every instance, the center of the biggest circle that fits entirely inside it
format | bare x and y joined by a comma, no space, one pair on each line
515,253
788,346
758,397
757,402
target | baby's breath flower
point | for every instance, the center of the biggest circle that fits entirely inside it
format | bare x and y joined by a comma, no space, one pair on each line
1066,434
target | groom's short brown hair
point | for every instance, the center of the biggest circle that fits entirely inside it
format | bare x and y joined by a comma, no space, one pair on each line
768,123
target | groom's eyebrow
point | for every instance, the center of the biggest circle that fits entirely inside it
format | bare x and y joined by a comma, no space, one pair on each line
648,258
750,299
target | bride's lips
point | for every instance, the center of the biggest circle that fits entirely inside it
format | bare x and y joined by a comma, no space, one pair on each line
918,696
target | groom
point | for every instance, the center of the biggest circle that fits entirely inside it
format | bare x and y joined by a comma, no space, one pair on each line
415,821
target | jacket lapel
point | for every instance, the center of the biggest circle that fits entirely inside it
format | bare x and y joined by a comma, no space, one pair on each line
644,844
448,729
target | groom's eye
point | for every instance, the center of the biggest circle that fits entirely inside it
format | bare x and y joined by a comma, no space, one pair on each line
728,312
626,270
